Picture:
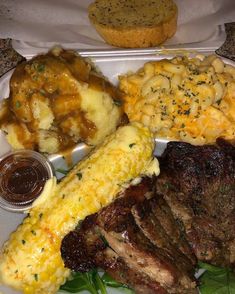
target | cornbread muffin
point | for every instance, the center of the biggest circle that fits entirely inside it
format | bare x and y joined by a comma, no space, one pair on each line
57,100
134,23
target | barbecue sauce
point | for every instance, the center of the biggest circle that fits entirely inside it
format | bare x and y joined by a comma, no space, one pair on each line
22,179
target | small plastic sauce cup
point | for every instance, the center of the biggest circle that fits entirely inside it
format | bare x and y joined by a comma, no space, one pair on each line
23,175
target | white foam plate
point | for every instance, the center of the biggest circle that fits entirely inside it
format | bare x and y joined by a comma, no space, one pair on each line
112,64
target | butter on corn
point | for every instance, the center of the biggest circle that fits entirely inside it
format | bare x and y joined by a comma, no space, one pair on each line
30,260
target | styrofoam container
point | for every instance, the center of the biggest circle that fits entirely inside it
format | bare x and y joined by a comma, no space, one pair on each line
112,63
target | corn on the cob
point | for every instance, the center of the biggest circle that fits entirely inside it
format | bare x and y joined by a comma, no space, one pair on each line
31,260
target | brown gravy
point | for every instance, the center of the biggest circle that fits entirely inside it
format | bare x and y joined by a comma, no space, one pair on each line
45,78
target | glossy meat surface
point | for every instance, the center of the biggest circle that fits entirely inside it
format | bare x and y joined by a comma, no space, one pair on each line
158,229
198,184
135,254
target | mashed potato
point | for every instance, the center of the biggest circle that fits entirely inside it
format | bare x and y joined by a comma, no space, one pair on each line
57,100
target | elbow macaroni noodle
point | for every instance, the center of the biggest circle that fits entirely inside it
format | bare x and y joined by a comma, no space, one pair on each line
189,99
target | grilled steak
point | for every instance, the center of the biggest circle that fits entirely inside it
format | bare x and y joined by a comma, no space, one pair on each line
163,213
116,267
84,249
198,184
152,235
148,265
146,219
81,245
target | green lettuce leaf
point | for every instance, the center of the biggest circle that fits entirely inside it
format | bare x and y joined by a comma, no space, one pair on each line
216,280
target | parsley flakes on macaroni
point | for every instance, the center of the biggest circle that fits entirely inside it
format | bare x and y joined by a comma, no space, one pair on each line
188,99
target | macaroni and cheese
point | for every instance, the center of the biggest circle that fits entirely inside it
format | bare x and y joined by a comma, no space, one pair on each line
188,99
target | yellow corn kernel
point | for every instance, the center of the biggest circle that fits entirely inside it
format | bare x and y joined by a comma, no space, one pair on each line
30,259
